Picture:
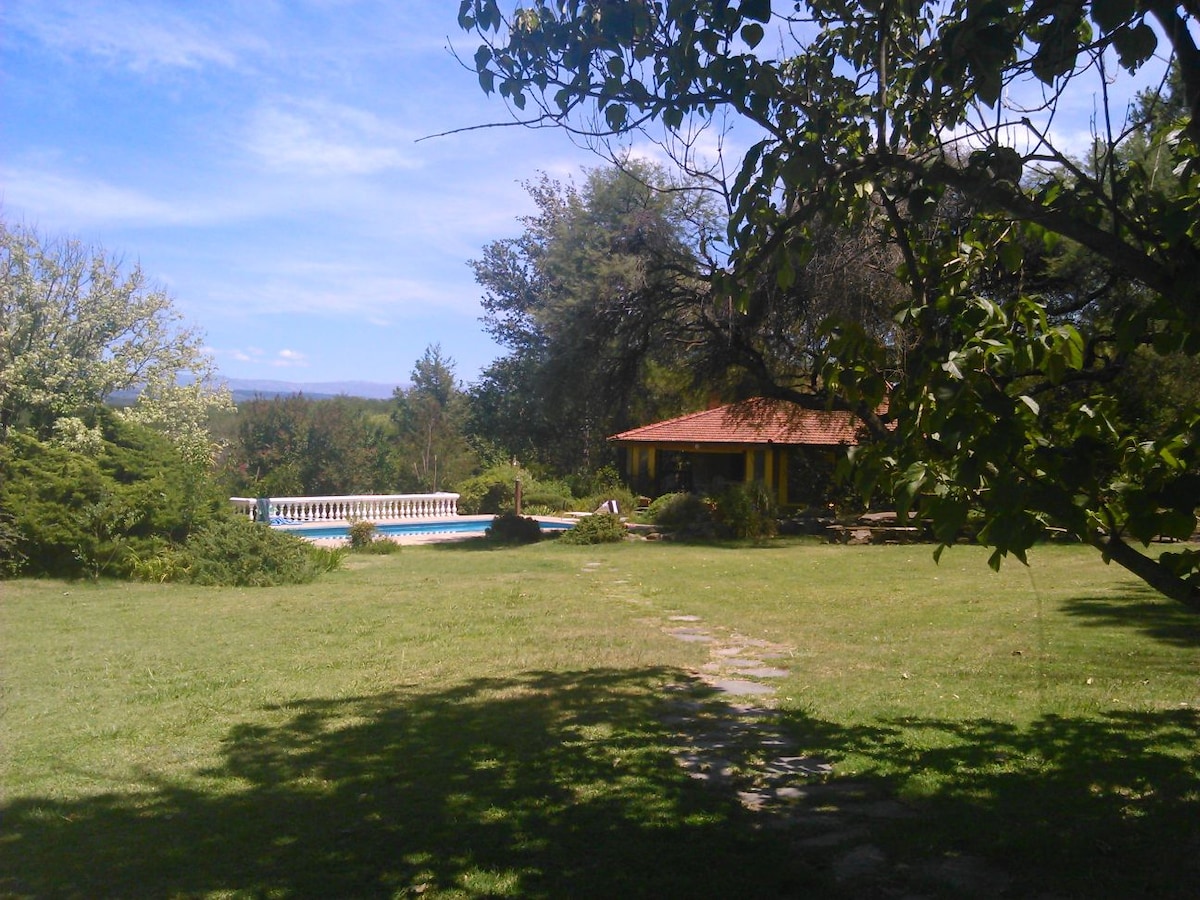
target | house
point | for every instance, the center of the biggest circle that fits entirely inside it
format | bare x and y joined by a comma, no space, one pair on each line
791,449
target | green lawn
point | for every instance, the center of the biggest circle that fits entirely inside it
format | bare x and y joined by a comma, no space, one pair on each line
454,721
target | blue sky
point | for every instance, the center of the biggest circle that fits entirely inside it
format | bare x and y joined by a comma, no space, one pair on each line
261,161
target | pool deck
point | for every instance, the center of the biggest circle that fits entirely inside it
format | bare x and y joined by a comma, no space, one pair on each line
428,537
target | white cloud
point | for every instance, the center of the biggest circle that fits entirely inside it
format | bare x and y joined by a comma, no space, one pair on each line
376,297
258,357
141,36
288,359
64,200
319,138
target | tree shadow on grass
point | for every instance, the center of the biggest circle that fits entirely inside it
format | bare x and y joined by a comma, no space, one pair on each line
542,785
1153,615
1104,806
563,785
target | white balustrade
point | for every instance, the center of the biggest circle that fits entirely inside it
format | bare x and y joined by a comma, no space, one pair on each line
371,507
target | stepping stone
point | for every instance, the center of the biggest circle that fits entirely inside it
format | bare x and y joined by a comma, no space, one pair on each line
858,863
747,711
742,663
753,800
763,672
831,838
774,741
884,809
685,618
739,686
678,719
710,743
844,795
799,765
691,635
968,874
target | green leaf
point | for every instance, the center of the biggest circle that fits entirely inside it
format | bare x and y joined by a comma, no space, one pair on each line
759,10
1073,346
466,21
1178,524
1109,14
752,34
786,276
616,115
1135,45
1012,255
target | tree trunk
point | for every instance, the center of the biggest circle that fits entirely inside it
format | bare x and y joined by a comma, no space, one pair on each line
1150,571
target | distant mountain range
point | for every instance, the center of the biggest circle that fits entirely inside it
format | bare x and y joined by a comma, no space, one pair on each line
244,389
249,388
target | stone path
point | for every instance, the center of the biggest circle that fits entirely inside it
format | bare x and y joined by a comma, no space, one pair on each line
727,738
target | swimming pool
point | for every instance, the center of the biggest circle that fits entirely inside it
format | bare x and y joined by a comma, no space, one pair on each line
460,526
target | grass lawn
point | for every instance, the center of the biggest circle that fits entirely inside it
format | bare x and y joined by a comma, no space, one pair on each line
453,721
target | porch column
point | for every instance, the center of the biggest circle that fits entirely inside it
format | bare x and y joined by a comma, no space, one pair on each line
782,470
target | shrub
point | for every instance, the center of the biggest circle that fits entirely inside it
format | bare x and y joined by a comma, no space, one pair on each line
510,528
604,480
601,528
11,557
746,511
98,510
626,499
365,538
166,563
381,546
237,552
682,513
494,491
330,559
552,496
488,492
362,534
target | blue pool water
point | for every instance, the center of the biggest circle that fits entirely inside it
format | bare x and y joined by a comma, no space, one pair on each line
461,526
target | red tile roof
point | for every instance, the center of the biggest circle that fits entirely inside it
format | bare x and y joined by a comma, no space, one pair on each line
758,421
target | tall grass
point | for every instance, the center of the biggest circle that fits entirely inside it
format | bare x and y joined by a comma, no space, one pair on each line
455,721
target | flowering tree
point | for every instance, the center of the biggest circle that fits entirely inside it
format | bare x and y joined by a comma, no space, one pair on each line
77,328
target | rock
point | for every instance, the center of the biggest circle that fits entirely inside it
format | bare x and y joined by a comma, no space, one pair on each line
861,862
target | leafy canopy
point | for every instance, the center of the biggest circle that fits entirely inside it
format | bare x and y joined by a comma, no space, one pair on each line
595,301
933,125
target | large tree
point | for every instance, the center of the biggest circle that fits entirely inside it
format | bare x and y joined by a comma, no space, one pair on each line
296,446
936,124
596,302
430,449
77,327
